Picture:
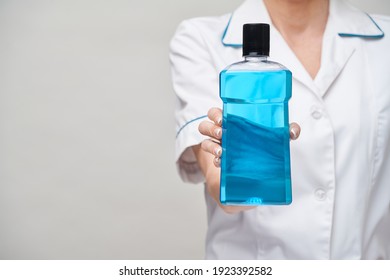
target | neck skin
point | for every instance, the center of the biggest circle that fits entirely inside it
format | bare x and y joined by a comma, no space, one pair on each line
302,25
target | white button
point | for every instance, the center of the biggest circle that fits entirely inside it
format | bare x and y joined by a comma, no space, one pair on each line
320,194
316,112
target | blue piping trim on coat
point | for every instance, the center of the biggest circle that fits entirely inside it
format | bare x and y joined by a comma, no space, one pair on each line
340,34
187,123
365,36
224,34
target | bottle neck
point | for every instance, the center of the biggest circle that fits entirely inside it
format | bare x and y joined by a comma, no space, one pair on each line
256,58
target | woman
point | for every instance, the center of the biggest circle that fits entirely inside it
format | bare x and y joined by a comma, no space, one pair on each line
341,99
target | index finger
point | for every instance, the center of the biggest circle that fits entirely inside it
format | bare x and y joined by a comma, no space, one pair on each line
215,114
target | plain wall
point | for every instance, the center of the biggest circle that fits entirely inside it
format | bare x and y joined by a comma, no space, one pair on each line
86,131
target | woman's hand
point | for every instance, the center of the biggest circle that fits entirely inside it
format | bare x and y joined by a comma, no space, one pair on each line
209,152
214,131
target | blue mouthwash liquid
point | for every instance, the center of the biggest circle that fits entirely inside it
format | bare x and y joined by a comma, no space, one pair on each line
255,166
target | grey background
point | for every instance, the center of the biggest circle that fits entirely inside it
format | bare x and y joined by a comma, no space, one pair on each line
87,134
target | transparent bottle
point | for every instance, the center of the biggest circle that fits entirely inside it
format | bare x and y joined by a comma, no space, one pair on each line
255,162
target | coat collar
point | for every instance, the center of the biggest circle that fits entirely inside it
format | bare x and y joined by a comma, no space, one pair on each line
350,21
251,11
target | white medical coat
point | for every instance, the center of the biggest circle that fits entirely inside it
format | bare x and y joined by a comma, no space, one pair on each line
341,161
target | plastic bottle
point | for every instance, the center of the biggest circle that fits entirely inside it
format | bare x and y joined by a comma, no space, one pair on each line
255,162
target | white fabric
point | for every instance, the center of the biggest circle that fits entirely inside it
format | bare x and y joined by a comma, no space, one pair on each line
340,163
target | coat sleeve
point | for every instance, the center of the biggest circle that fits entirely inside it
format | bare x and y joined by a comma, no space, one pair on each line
195,83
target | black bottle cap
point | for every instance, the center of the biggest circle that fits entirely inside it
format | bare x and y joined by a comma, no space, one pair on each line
255,39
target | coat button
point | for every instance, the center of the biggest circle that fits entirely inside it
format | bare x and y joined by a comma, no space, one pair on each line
320,194
316,112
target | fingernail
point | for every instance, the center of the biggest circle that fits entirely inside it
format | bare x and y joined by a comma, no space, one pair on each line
218,152
294,134
219,121
217,160
218,132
